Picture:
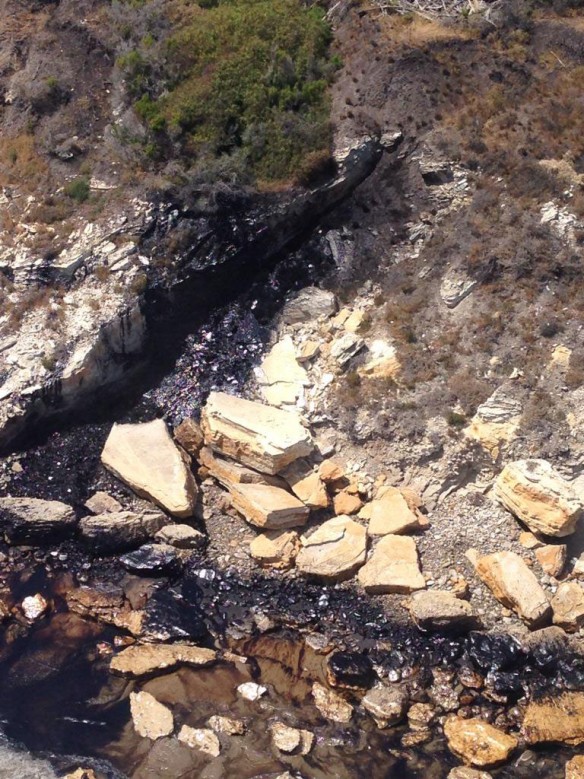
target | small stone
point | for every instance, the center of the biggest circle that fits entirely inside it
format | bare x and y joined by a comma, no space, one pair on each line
102,503
275,548
345,503
309,350
387,705
232,727
291,740
202,739
332,472
151,719
529,540
34,607
334,551
438,610
251,691
393,567
421,715
467,773
190,436
476,742
568,606
345,347
552,558
330,704
181,537
81,773
575,768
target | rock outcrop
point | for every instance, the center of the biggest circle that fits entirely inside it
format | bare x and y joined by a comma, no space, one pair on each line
35,521
262,437
539,496
334,551
145,457
393,567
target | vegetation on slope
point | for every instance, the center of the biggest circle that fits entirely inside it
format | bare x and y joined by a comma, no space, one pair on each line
236,88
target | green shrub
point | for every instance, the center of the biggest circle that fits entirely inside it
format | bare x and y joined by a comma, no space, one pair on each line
78,189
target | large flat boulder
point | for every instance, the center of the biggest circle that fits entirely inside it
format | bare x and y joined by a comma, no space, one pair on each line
280,376
268,507
335,550
35,521
145,457
393,567
515,586
229,473
539,496
260,436
121,530
391,513
143,660
555,720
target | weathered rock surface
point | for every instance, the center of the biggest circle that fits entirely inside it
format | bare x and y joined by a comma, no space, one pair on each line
280,376
515,586
257,435
559,719
495,421
539,496
276,549
383,362
309,305
35,521
145,457
190,436
393,567
102,503
181,536
552,558
391,513
121,530
291,740
568,606
335,550
330,704
387,705
106,606
441,610
202,739
306,484
477,743
268,507
345,347
144,660
467,773
232,727
151,719
575,768
346,503
230,473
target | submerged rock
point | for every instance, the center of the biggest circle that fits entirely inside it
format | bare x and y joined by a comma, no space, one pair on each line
477,743
121,530
145,660
151,719
269,507
539,496
35,521
349,669
145,457
251,691
393,567
232,727
467,773
34,607
555,720
330,704
334,551
256,435
291,740
202,739
387,705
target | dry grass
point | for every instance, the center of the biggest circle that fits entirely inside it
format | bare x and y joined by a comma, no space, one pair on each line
20,163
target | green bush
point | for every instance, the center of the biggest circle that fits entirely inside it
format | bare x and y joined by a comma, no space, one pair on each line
237,77
78,189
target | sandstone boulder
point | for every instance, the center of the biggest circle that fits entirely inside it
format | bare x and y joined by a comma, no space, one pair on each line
392,513
280,376
575,768
202,739
121,530
145,457
276,548
35,521
568,606
306,484
335,550
144,660
330,704
151,719
515,586
477,743
442,611
346,502
387,705
539,496
230,473
256,435
552,558
555,720
393,567
268,507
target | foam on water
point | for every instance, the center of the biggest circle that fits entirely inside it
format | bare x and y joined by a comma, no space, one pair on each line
18,763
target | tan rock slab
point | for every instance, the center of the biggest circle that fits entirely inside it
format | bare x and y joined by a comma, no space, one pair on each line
346,503
145,457
276,548
280,376
391,513
150,718
291,740
308,351
121,529
393,567
102,503
555,720
539,496
140,660
335,550
575,768
515,586
530,541
306,484
568,606
330,704
257,435
268,507
552,558
387,705
462,772
230,473
228,725
477,743
181,536
202,739
383,361
442,611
